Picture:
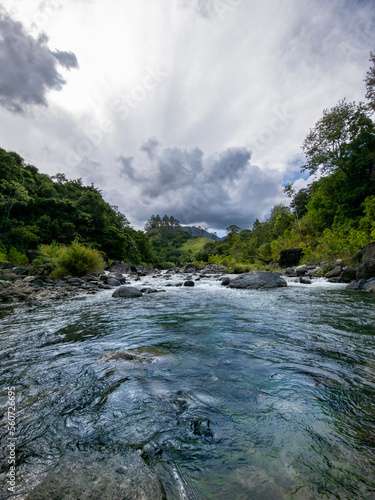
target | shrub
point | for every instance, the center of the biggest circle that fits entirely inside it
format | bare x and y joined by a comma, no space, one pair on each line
77,260
17,258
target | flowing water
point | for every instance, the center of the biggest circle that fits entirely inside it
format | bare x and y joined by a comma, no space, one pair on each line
239,394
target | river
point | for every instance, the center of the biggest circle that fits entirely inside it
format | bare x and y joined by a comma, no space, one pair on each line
262,394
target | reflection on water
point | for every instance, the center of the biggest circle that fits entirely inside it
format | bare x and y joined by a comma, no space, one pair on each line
228,393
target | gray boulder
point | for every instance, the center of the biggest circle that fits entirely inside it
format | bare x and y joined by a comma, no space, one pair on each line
363,285
366,270
258,279
367,253
74,281
369,285
189,283
113,282
120,267
225,281
334,273
127,292
301,270
89,475
348,274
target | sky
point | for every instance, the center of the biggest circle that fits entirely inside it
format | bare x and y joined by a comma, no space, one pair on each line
193,108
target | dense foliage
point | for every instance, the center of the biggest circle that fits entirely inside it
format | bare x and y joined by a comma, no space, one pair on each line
166,236
37,209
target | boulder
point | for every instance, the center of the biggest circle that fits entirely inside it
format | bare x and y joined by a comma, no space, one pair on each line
290,257
334,273
33,254
104,476
20,270
363,285
6,265
225,281
356,285
74,281
120,267
301,270
369,285
366,254
258,279
127,292
290,271
189,283
113,282
348,274
366,270
305,281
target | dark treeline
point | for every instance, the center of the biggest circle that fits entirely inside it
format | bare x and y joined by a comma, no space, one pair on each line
36,209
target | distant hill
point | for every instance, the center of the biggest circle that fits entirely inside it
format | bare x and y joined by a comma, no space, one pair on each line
196,231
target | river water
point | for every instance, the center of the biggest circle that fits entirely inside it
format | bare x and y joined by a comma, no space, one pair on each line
263,394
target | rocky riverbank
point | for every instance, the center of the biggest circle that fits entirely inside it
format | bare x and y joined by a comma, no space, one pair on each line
21,284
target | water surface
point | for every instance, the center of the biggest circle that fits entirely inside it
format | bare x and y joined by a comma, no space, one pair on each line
242,394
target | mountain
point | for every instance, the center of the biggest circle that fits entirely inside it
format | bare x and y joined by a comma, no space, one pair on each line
198,231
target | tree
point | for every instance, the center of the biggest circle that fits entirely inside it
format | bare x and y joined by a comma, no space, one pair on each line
233,229
370,83
329,145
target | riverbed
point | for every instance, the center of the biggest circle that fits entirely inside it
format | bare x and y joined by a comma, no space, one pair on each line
242,394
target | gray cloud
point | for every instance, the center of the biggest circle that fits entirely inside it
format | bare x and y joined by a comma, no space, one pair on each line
28,67
127,169
217,190
66,59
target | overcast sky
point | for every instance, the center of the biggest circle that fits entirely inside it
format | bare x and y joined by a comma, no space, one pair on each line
194,108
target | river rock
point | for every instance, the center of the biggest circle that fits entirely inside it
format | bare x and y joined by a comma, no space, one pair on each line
348,274
189,283
74,281
113,282
94,475
301,270
38,283
225,281
128,356
369,285
120,267
366,270
305,281
363,285
6,265
258,279
127,292
334,273
367,253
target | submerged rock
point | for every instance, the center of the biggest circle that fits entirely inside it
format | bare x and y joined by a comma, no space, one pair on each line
127,292
89,475
127,355
258,279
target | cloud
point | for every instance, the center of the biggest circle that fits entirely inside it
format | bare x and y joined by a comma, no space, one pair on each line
28,67
215,190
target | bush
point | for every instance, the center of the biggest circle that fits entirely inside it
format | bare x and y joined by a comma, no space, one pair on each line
78,260
17,258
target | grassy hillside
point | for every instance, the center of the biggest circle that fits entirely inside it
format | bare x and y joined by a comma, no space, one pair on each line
194,244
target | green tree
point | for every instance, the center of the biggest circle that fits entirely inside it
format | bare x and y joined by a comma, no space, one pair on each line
329,145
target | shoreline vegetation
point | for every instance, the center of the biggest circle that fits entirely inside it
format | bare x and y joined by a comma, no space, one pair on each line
53,229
